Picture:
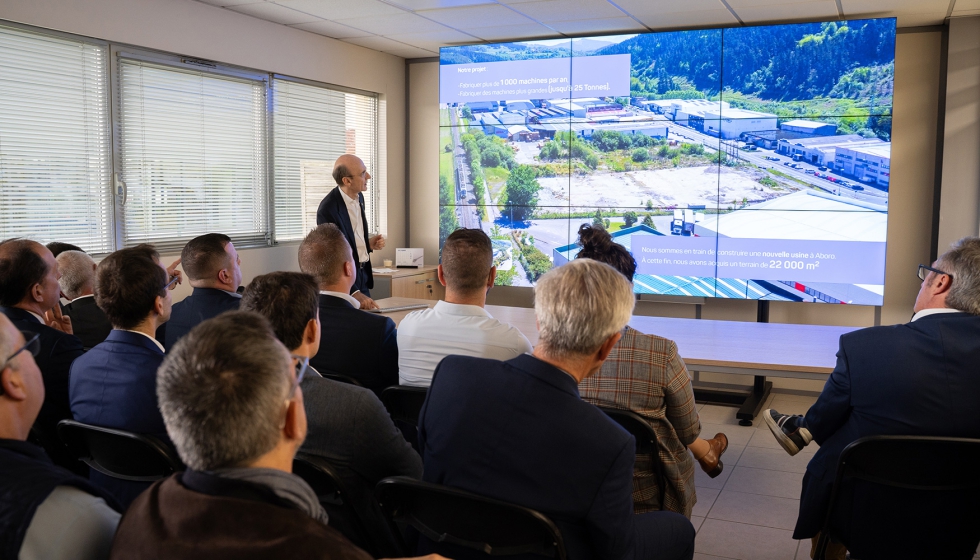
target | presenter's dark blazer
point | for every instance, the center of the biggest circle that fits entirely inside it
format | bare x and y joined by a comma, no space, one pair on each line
58,351
114,386
920,378
201,305
88,322
517,431
357,344
333,210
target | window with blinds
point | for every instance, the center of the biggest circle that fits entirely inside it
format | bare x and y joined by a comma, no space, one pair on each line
312,126
192,155
54,140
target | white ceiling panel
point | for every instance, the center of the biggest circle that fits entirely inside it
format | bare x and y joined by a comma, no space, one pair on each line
473,17
513,32
334,10
645,7
919,20
331,29
966,13
966,6
883,6
384,44
827,9
687,19
225,3
274,13
434,4
433,40
597,26
393,23
569,10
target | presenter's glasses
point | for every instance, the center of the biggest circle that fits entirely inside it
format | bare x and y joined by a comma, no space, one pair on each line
924,271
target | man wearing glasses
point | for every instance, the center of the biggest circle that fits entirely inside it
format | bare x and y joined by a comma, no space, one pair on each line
114,384
47,512
29,294
919,378
344,207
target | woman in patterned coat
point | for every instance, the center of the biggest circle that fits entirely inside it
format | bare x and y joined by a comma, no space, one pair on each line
644,374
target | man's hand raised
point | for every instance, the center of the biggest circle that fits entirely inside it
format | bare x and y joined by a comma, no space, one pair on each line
54,319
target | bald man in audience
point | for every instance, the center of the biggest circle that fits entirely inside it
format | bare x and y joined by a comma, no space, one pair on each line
344,207
214,270
77,282
459,325
46,511
29,297
356,344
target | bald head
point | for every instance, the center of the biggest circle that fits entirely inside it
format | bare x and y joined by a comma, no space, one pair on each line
28,276
351,174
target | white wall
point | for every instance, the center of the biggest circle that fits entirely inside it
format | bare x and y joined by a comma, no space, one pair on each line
199,30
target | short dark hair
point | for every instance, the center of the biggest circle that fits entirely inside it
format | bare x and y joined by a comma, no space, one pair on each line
467,257
127,284
21,267
323,252
598,245
57,247
289,300
221,390
205,255
339,172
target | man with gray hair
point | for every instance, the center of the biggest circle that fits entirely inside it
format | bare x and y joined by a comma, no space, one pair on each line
231,399
918,378
517,431
77,283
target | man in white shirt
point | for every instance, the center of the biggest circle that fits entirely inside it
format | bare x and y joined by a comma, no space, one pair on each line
459,325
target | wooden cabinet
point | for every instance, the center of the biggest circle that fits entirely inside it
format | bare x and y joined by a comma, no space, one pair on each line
419,283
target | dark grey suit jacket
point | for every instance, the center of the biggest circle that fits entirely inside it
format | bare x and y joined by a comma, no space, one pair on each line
88,321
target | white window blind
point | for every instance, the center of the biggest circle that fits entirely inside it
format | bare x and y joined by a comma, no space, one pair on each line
312,127
192,152
54,140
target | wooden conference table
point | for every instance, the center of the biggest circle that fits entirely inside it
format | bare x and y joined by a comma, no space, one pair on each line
736,347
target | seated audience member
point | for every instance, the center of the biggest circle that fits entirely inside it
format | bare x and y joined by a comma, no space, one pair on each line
114,384
77,282
231,398
348,425
644,374
354,343
57,247
918,378
517,431
459,325
46,512
214,270
29,297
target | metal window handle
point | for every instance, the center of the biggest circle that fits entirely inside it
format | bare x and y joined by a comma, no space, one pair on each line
121,191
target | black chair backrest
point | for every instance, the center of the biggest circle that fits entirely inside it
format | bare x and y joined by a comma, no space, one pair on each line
916,467
448,515
341,379
119,454
646,440
404,403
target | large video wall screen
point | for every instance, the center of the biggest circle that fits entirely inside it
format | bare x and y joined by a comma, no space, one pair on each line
749,163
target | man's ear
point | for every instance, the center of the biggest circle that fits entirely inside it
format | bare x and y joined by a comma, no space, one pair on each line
441,275
295,428
943,284
349,269
158,305
224,276
607,346
312,331
492,278
37,293
13,384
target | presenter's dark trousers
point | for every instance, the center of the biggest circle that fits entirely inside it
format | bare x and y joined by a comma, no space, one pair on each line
361,282
663,535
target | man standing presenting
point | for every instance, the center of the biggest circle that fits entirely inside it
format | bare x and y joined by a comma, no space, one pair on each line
344,207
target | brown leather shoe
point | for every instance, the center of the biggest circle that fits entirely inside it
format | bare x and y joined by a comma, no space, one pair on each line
711,461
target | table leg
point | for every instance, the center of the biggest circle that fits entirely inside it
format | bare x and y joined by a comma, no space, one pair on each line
754,401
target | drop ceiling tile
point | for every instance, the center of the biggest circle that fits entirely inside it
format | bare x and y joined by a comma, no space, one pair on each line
393,23
648,8
513,32
434,4
384,44
966,6
965,13
687,19
569,10
854,7
433,40
334,9
826,9
331,29
471,17
920,20
274,13
595,26
226,3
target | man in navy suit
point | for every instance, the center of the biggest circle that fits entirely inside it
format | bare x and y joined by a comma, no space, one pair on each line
919,378
344,207
29,294
114,384
353,343
214,270
517,431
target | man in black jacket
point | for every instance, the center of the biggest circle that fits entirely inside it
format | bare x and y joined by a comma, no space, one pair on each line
214,269
46,511
29,294
77,282
360,345
344,207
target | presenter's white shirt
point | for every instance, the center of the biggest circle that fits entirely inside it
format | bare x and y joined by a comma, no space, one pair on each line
426,337
357,224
